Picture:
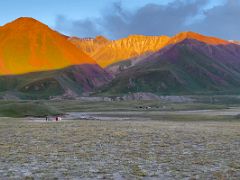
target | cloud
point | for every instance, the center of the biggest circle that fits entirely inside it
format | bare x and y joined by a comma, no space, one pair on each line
221,21
154,19
80,28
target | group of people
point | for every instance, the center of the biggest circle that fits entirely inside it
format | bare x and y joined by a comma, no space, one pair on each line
57,118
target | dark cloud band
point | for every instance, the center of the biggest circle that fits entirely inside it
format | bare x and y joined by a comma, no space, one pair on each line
154,19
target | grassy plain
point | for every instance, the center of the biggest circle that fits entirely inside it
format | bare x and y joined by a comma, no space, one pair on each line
45,107
119,149
167,141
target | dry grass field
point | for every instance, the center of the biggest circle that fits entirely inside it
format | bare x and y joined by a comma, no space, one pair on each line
129,149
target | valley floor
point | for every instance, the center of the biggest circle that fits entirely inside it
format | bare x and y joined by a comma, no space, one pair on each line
164,147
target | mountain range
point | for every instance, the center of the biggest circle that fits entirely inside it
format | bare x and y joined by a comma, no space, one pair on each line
109,52
38,62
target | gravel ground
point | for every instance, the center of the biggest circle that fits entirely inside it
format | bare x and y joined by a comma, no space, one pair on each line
231,111
91,149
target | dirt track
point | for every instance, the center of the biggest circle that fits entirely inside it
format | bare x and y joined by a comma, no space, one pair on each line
146,115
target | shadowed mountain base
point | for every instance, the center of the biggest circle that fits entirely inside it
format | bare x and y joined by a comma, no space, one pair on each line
71,81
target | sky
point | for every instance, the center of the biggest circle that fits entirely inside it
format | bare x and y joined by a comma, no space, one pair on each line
120,18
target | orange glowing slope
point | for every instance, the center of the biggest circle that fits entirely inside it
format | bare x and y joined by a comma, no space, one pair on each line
26,45
90,45
192,35
110,52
